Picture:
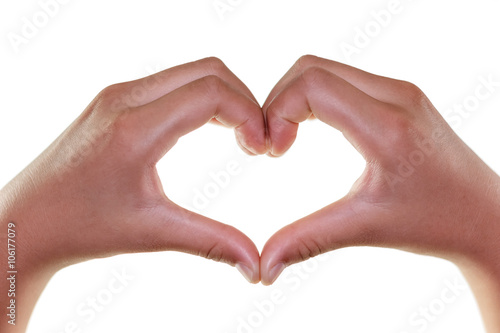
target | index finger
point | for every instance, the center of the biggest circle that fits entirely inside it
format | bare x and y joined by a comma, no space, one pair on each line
148,89
378,87
332,100
155,127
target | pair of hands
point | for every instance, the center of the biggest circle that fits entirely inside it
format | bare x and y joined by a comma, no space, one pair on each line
95,191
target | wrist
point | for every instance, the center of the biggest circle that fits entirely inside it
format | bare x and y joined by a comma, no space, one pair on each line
483,250
25,276
481,264
27,220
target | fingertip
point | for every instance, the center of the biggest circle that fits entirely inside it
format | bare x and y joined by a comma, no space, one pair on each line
252,275
272,260
250,149
257,150
281,136
272,154
197,234
245,149
271,275
246,257
275,148
251,140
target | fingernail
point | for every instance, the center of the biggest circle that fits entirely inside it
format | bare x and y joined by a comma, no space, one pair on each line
253,150
275,272
245,271
268,143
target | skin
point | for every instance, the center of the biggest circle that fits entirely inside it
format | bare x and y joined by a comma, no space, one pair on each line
95,191
75,203
444,203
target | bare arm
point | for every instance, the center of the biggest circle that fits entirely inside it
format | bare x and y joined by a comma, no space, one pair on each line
423,190
95,191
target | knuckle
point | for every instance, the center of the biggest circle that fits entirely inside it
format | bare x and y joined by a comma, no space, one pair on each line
412,94
306,61
214,64
111,91
215,252
308,249
111,97
312,76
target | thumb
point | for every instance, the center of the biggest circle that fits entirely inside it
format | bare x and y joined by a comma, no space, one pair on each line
341,224
177,229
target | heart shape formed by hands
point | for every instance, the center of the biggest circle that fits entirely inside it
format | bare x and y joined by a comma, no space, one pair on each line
390,122
117,199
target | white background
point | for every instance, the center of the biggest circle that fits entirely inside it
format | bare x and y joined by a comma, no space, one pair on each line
442,46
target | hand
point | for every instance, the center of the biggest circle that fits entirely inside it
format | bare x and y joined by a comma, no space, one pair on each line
95,191
423,190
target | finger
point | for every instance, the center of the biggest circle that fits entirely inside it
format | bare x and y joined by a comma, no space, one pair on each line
177,229
216,122
246,151
150,88
347,222
379,87
154,128
332,100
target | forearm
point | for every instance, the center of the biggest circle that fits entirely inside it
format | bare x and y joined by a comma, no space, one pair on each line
482,269
24,273
485,284
19,295
95,192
